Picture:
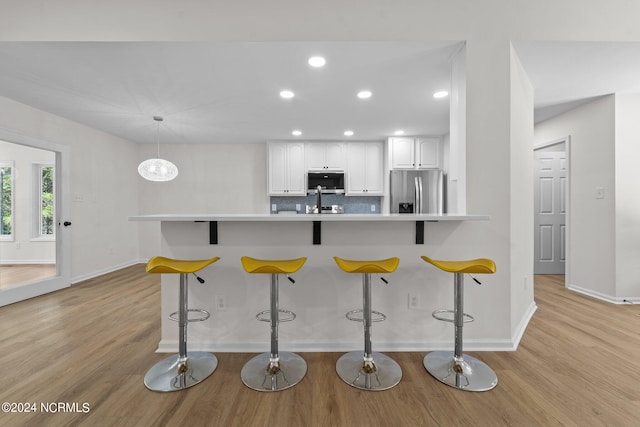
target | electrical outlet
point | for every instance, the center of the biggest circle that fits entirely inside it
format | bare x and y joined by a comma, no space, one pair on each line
414,301
221,302
298,207
373,208
17,245
274,207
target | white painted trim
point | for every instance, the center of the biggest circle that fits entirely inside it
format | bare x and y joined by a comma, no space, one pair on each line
524,322
28,261
567,141
604,297
77,279
171,346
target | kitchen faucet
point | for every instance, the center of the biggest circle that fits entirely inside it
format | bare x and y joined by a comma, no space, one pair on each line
319,198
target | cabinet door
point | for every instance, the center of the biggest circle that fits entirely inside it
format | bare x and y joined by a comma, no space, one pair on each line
428,153
402,153
356,175
316,156
277,154
334,156
286,169
364,169
374,169
296,169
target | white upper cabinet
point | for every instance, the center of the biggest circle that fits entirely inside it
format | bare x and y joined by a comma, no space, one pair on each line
286,168
325,156
415,152
365,169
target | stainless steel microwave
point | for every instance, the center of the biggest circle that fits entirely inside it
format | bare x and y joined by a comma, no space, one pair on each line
330,182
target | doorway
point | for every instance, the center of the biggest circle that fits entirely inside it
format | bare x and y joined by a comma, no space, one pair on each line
551,207
35,243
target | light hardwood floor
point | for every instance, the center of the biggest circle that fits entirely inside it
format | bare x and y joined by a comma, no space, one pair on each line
17,274
577,365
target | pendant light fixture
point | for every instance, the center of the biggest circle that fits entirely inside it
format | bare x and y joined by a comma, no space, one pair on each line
157,169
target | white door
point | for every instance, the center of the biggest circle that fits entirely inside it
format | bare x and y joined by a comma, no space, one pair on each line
62,277
550,204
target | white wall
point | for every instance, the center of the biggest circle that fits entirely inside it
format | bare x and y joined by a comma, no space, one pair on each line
212,178
627,196
486,26
30,250
103,177
522,192
593,142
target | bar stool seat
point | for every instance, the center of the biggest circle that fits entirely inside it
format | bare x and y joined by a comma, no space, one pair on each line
456,369
273,371
370,370
184,369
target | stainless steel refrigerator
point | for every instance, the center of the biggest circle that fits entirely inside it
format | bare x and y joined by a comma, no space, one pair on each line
418,191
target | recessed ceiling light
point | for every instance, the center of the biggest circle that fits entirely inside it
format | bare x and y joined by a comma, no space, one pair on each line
348,133
286,94
296,132
317,61
441,94
364,94
399,132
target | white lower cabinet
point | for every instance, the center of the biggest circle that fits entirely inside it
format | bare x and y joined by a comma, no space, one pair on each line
365,169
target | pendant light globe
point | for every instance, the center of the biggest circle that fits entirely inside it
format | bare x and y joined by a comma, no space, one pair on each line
157,169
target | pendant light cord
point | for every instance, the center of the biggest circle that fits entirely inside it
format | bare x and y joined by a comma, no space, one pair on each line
158,119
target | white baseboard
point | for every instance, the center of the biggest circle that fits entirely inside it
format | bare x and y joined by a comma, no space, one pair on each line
171,346
111,269
28,261
604,297
524,322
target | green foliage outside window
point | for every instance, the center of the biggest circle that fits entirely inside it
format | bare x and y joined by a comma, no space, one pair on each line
5,203
47,207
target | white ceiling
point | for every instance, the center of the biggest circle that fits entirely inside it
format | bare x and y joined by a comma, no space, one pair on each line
568,74
228,92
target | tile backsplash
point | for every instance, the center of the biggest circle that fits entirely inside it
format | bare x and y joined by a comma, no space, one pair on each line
358,205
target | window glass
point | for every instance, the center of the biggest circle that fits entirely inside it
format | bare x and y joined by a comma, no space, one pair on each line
6,201
47,199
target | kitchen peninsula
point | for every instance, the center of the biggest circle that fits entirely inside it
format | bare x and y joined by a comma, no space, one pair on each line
322,294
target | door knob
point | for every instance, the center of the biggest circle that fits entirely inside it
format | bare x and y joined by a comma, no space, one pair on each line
66,223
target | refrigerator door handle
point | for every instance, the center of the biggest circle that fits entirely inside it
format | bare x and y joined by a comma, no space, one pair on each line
420,208
416,195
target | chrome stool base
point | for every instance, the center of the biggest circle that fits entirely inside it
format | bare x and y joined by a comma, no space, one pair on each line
255,373
350,368
166,375
465,373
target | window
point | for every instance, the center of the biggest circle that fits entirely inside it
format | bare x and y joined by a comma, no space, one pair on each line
45,200
6,201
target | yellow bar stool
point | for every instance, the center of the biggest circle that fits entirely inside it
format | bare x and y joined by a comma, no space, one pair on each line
184,369
276,370
369,370
455,368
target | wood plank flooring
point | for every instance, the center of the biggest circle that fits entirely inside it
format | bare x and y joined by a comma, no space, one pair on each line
17,274
577,365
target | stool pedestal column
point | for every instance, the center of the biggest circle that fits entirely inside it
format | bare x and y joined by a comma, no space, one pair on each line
184,369
371,370
274,371
457,369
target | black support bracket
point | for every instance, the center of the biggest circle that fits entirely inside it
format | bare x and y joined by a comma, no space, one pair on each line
317,232
213,232
419,232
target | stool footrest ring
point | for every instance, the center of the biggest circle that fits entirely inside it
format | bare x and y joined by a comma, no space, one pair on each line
437,315
265,316
356,316
204,315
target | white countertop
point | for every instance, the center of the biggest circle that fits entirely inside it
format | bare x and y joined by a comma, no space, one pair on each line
309,217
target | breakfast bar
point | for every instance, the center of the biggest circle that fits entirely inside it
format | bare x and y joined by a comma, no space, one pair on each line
321,295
